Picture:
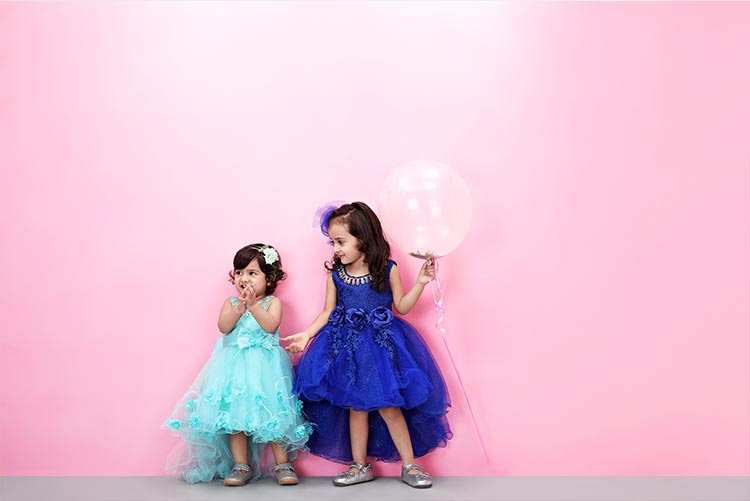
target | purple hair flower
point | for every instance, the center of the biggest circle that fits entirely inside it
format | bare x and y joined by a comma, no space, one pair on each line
323,214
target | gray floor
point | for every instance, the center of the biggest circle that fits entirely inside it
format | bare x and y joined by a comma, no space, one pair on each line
383,488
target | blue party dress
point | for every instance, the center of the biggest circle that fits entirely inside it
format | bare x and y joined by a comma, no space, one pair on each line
365,359
246,386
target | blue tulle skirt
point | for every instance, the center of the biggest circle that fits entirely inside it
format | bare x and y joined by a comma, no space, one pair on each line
367,367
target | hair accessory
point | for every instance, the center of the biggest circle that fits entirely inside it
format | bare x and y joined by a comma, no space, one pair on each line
323,214
270,255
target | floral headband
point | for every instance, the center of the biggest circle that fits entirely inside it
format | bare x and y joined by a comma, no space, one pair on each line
270,255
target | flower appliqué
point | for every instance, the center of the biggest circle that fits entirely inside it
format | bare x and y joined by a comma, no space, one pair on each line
381,319
270,255
239,392
195,421
356,320
213,396
222,420
303,430
335,319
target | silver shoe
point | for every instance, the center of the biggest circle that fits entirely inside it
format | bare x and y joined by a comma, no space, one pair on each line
419,480
240,475
285,474
363,474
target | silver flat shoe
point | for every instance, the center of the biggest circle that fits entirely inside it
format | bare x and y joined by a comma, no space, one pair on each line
420,480
240,475
285,474
363,474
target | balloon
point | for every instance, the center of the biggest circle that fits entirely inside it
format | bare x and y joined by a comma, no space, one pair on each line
425,208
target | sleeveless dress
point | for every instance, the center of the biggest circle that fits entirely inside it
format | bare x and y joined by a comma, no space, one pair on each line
246,386
365,359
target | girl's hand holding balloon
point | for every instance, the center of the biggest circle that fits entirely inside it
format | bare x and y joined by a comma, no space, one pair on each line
427,272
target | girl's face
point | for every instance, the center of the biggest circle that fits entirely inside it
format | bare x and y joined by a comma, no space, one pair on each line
251,276
345,246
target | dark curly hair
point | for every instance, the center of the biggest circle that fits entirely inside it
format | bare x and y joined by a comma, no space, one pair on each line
365,226
274,273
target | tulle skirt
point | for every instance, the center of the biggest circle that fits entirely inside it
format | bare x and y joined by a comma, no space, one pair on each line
369,369
239,390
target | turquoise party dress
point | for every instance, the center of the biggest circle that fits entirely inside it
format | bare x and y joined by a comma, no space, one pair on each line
245,387
365,358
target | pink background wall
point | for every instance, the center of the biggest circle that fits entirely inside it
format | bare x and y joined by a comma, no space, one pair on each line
598,306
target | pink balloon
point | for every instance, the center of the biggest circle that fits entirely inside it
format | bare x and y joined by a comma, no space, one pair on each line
425,208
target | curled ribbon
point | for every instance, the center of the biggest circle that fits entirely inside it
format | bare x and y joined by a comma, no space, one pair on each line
437,298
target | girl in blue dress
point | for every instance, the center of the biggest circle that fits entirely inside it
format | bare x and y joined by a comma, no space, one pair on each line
242,399
369,384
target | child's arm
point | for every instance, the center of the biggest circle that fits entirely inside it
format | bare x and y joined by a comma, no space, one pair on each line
229,315
299,341
269,320
405,302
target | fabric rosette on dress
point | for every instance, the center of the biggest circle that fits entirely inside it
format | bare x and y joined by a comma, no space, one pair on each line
245,387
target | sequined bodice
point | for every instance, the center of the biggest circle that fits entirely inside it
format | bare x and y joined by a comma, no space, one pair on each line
357,292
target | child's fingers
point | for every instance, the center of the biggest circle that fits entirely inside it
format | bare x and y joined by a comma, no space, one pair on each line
293,348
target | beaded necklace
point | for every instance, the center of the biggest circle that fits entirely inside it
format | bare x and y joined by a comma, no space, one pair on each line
350,280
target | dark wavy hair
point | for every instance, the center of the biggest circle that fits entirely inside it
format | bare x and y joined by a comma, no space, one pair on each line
364,225
274,273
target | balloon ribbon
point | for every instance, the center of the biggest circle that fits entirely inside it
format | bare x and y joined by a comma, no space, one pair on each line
440,310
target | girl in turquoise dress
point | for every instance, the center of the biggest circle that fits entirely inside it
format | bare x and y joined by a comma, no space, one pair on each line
242,399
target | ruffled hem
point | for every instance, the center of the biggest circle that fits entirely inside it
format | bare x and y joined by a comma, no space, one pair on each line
200,460
395,459
292,438
330,438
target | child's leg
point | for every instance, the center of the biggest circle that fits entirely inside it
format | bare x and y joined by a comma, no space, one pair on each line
396,423
241,472
360,471
279,454
238,444
283,471
359,428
